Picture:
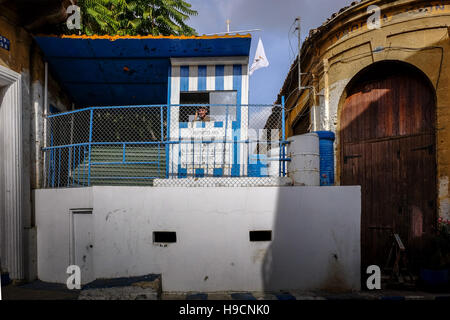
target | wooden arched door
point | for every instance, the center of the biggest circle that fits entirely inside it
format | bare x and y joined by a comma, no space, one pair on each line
388,147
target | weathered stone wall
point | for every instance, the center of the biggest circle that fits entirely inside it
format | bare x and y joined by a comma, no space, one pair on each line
415,32
25,58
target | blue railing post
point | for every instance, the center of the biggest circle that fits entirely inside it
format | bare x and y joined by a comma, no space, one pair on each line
225,144
283,134
91,120
52,156
168,151
59,167
160,139
48,153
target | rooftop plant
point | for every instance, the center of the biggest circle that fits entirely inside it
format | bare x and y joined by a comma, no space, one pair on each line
136,17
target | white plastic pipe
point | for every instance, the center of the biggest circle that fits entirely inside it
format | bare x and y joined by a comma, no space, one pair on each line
45,120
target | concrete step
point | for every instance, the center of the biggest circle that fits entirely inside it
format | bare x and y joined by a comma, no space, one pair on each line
135,288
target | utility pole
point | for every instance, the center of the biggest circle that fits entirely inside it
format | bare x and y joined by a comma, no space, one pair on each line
298,28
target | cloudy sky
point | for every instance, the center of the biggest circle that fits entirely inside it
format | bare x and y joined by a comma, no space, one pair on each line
275,18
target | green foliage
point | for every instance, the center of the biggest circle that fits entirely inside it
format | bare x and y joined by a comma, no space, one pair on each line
99,16
156,17
136,17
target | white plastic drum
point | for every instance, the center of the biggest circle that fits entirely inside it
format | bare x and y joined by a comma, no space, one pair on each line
304,167
273,162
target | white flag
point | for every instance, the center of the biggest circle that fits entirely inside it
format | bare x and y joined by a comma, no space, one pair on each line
260,60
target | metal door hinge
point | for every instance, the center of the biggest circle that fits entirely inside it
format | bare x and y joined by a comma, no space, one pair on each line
351,157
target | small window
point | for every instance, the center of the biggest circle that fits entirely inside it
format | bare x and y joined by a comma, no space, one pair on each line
219,113
164,237
265,235
218,99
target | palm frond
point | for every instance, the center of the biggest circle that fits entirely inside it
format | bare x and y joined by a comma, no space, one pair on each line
136,17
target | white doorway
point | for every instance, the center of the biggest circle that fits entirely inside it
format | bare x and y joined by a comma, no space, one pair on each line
82,243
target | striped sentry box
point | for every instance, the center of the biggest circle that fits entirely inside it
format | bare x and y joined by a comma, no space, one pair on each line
209,74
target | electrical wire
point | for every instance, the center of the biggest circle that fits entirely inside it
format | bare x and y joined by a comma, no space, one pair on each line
366,54
291,59
304,100
426,48
351,59
305,111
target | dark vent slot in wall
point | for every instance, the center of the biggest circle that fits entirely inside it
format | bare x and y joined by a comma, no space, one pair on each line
265,235
164,237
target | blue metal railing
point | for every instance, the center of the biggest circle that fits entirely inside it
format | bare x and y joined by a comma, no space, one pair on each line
133,145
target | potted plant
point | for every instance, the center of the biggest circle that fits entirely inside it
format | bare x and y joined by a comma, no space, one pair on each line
435,270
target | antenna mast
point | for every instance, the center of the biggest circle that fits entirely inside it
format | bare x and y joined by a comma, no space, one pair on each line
298,28
228,21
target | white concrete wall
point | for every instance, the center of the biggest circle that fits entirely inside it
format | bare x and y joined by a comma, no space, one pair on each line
316,236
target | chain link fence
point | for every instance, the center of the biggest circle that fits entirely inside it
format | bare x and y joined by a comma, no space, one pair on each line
198,145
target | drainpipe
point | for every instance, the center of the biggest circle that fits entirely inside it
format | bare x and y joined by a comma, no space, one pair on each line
45,121
38,113
314,116
327,125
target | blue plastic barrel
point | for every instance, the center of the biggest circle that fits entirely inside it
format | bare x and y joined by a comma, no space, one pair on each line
326,150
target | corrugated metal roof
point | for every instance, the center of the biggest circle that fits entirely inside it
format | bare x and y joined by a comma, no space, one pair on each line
103,70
